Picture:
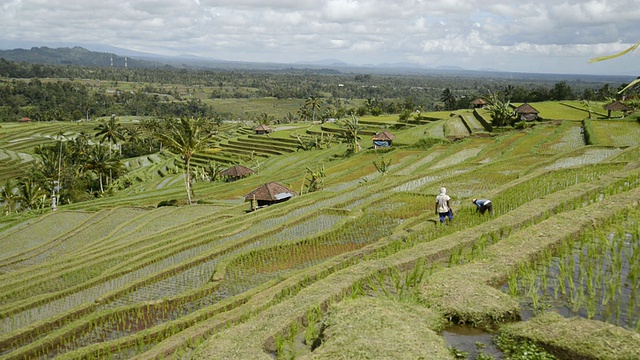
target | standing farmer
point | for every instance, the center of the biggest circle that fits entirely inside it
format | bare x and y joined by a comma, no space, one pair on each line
483,205
443,209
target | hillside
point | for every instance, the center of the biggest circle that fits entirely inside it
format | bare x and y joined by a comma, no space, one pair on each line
73,56
340,272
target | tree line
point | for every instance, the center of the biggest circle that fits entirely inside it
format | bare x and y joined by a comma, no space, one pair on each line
156,92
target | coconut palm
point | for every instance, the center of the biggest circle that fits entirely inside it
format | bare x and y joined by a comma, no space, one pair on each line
30,194
289,118
448,98
101,163
187,137
313,104
264,119
111,131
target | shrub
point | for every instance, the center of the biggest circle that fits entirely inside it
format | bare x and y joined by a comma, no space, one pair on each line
172,202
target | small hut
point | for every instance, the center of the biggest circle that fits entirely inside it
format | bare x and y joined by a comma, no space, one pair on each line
269,194
617,106
526,112
383,139
478,103
263,129
236,172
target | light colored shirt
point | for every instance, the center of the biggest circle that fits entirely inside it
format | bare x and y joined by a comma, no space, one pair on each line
442,201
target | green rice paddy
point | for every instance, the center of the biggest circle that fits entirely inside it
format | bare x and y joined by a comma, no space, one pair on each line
344,269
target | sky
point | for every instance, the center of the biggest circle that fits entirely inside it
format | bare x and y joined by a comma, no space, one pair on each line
543,36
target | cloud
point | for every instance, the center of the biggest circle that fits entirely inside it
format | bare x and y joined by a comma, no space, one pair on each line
434,32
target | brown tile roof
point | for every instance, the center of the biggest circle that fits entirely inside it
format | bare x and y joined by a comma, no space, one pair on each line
526,109
384,135
237,171
478,102
617,106
270,192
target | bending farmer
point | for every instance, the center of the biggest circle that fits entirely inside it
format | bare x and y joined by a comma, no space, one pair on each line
483,205
442,206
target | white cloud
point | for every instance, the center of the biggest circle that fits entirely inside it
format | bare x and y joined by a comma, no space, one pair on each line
469,33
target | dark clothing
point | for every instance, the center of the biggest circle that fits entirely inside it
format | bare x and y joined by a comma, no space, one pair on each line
444,215
484,205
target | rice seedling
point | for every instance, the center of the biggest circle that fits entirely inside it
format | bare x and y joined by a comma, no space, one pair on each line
594,276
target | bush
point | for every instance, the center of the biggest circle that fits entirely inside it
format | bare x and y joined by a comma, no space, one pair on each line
172,202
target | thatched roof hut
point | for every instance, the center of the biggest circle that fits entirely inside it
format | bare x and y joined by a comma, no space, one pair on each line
617,106
478,103
269,193
263,129
236,172
526,112
383,139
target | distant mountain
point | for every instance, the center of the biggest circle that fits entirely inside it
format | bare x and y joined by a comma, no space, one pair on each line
325,62
117,57
72,56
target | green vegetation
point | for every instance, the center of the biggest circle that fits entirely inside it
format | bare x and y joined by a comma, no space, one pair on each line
355,265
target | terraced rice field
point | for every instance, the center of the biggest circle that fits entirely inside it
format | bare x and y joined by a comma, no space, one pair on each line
120,278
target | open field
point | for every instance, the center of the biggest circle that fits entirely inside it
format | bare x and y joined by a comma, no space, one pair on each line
359,269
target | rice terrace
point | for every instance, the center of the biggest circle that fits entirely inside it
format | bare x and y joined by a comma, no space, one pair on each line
352,263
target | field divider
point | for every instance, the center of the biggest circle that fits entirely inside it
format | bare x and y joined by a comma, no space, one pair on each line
9,261
248,339
443,255
168,272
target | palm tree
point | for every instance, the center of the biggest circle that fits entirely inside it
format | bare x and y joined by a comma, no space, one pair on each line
8,195
289,118
448,99
313,103
264,119
100,162
30,194
110,131
303,113
351,134
186,138
330,113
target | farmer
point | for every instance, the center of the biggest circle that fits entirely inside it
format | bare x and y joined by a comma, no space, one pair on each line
483,205
443,209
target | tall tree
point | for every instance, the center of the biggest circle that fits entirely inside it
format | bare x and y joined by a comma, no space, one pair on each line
111,131
313,104
101,163
187,137
449,99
